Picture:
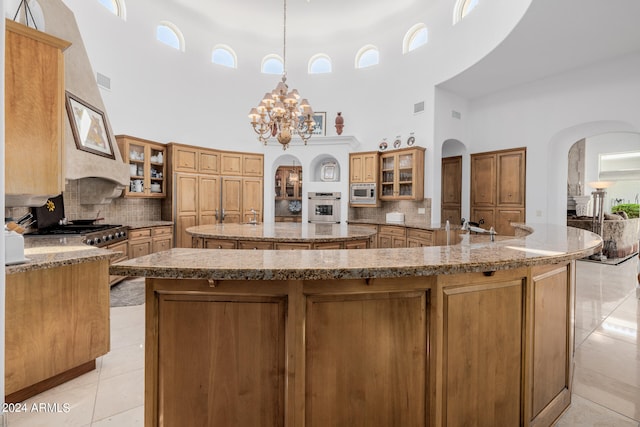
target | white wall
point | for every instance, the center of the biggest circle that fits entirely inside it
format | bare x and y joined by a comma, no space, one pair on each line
550,115
161,94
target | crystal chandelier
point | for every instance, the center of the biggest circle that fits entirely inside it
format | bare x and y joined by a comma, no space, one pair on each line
279,114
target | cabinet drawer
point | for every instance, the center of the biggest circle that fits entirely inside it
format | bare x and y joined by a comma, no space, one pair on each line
286,246
219,244
417,234
139,233
161,231
328,245
391,230
357,244
139,249
161,245
254,245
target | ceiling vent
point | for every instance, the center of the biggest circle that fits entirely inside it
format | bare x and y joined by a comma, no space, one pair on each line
103,81
418,108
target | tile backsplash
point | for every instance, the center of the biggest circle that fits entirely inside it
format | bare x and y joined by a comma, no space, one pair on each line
119,211
408,207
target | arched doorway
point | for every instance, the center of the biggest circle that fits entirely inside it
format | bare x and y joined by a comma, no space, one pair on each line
287,186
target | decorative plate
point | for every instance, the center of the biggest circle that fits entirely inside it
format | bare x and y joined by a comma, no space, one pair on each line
411,140
397,143
382,146
295,206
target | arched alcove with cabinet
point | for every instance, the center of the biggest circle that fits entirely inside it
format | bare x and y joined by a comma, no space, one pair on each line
287,189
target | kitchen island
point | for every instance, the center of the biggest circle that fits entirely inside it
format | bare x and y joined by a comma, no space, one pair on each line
56,314
281,235
430,336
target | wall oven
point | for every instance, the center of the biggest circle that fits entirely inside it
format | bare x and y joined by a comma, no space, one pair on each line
324,207
363,194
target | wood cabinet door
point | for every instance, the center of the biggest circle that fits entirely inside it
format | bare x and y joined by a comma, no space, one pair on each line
370,167
139,248
159,245
253,165
504,218
185,159
483,214
34,111
187,194
210,382
483,180
231,163
232,199
454,215
209,199
484,382
452,181
355,168
209,162
350,380
252,195
184,221
511,178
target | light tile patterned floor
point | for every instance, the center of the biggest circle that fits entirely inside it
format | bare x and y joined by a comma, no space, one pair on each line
606,383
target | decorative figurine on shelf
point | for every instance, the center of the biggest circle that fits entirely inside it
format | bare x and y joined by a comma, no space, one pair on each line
339,123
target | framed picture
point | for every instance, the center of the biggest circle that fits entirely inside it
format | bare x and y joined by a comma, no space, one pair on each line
321,123
89,127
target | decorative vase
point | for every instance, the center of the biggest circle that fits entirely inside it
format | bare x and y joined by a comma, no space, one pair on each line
339,123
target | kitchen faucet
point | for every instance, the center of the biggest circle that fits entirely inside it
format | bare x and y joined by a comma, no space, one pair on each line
468,227
253,220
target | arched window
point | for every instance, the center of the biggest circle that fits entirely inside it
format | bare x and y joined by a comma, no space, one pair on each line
319,64
367,56
114,6
462,8
224,55
272,64
414,38
170,35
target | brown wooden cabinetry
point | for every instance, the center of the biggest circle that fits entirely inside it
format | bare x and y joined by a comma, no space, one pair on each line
402,174
123,248
288,183
451,185
34,112
392,236
147,166
56,325
363,167
498,193
210,186
418,238
144,241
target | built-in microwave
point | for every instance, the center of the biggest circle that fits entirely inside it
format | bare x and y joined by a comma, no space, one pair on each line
363,194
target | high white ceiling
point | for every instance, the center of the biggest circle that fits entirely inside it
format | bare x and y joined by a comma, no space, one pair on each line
554,37
311,18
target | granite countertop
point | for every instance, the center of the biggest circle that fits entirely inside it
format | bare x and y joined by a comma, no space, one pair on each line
282,232
146,224
48,252
546,244
408,224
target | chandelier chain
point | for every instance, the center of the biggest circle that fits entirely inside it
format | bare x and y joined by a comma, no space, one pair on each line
284,41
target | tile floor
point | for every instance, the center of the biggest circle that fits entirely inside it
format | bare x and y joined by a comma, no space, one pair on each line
606,382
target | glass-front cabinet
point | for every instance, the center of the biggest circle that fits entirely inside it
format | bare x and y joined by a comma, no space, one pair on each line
146,161
288,183
402,174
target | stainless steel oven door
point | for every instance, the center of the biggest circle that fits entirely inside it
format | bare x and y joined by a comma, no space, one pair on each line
324,207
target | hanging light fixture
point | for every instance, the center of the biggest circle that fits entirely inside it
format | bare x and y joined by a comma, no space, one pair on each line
280,114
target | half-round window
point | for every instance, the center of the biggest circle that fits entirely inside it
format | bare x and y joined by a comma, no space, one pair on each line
462,8
320,64
414,38
272,64
170,35
367,56
224,55
114,6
